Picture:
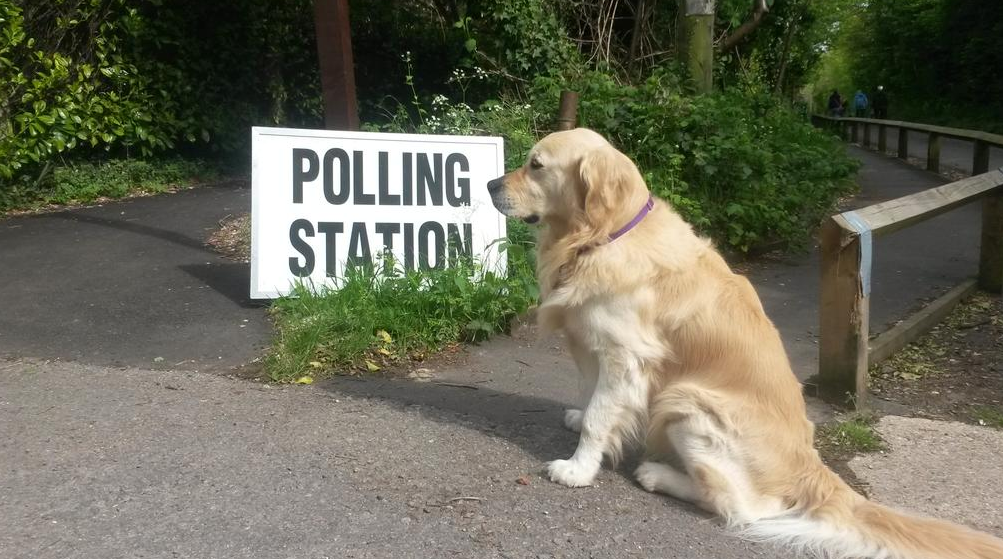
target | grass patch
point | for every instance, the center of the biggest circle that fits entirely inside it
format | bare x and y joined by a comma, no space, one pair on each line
988,416
383,316
853,435
82,183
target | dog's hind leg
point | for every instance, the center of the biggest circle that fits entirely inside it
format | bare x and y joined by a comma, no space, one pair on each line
662,478
716,478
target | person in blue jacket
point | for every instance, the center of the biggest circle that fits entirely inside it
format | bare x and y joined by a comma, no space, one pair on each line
859,104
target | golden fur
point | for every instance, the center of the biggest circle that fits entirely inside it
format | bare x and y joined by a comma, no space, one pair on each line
676,350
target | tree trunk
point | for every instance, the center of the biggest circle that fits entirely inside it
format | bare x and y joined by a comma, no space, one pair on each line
642,9
785,55
695,41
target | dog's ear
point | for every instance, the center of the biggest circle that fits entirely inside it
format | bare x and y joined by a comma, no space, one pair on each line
607,177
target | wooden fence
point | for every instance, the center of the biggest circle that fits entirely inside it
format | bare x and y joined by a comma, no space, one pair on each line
845,350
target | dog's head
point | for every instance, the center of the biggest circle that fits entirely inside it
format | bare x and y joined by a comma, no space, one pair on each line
573,179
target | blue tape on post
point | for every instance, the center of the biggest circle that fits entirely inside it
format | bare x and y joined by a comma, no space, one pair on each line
860,226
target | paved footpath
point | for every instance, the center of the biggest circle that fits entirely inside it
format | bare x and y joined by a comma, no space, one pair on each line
123,433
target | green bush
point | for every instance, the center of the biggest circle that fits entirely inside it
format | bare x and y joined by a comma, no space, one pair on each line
742,166
68,80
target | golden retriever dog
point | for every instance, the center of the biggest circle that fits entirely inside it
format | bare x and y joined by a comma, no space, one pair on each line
676,351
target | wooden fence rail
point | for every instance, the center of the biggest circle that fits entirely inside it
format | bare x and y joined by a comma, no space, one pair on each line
845,349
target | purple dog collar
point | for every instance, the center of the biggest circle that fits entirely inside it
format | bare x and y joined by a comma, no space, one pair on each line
637,219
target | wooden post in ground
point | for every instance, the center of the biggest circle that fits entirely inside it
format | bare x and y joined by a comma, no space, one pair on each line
867,135
991,249
933,153
843,314
853,132
980,157
567,114
337,70
882,138
903,143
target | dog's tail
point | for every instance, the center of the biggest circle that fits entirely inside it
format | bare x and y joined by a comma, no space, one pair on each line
842,524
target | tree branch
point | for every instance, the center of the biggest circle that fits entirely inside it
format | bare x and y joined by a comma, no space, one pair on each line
732,39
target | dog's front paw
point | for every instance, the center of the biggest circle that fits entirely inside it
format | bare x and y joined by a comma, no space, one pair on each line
571,473
573,420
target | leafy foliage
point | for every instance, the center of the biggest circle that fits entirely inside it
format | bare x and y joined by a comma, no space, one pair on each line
740,165
67,81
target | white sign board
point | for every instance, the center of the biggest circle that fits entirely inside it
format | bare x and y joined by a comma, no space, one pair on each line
323,198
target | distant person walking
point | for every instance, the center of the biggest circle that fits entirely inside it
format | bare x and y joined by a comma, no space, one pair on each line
880,103
859,104
835,104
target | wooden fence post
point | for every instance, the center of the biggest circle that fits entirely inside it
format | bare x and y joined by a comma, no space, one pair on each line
991,249
853,132
882,138
980,157
903,143
933,153
844,310
567,114
867,135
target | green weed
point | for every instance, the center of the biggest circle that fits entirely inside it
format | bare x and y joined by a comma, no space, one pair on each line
992,417
82,183
383,315
853,435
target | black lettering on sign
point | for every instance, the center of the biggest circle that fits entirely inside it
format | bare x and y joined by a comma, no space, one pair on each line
457,189
341,196
431,229
360,197
330,231
306,228
301,175
407,185
358,246
388,230
386,199
460,248
409,246
430,179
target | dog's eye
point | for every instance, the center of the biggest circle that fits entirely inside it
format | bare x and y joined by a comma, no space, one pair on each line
535,163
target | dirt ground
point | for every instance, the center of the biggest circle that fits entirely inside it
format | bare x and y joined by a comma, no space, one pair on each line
955,372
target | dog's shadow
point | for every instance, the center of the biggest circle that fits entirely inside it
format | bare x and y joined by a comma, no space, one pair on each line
532,423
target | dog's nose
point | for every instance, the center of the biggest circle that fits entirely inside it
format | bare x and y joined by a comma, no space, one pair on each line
496,184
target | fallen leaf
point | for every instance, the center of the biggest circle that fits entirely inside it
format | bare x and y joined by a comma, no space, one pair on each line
316,364
304,380
385,336
372,366
523,480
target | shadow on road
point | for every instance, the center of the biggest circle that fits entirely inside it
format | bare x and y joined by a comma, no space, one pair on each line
232,280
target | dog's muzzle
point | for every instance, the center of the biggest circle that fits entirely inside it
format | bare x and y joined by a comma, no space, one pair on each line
496,187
